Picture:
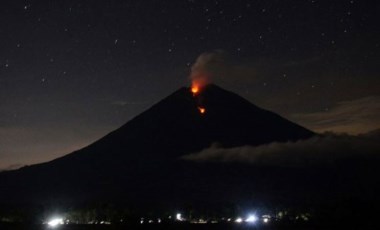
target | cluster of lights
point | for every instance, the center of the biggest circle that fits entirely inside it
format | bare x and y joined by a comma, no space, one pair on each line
178,217
250,219
150,221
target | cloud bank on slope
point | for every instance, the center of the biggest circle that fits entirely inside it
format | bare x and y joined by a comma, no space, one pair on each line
327,149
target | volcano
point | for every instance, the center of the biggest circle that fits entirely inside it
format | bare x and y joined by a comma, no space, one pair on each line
141,161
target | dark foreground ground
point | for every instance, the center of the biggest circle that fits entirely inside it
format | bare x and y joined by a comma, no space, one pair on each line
5,226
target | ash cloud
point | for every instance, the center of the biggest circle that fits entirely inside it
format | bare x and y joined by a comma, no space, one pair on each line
325,150
209,66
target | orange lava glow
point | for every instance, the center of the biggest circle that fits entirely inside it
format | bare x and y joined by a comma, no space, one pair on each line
194,89
202,110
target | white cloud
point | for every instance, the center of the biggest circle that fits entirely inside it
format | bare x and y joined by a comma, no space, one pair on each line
320,150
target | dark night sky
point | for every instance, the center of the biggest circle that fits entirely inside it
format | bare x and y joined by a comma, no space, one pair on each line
72,71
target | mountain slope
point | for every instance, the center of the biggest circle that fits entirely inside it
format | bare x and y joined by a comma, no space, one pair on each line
144,154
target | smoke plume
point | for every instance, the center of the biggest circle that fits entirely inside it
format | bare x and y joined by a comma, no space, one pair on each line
207,67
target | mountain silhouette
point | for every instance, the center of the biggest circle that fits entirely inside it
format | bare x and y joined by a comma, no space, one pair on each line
141,161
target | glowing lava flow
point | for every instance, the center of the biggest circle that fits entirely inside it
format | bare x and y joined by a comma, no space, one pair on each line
195,89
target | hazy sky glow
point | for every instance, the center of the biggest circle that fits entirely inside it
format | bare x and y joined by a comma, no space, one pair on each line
72,71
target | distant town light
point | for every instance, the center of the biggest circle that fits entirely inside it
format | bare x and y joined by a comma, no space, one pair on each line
251,219
266,220
178,217
55,222
239,220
